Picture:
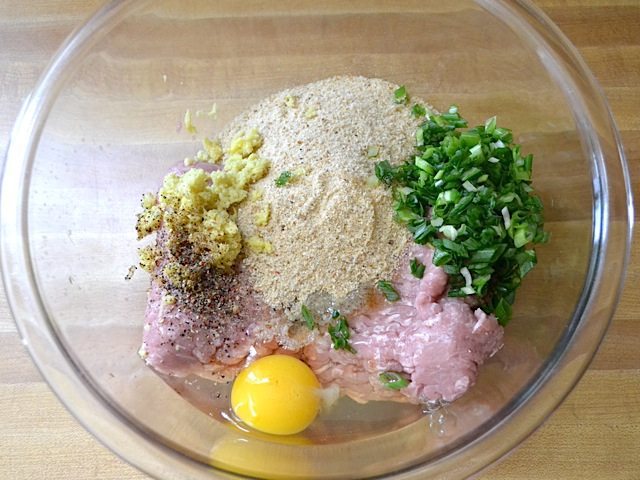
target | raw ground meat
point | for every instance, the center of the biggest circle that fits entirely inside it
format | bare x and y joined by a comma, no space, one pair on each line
436,341
209,330
439,342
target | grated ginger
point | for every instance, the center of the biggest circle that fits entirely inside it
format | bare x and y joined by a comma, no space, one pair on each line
291,101
256,194
149,200
213,113
261,219
259,245
245,144
213,149
149,220
196,204
148,256
188,123
168,299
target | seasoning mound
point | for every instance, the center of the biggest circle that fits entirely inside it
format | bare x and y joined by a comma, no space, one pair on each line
329,225
195,210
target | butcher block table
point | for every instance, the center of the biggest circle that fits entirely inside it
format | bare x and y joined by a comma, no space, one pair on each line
595,434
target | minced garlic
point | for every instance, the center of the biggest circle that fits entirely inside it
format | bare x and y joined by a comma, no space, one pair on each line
178,275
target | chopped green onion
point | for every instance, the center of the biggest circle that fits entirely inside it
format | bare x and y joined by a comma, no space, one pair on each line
526,261
450,196
307,317
476,151
468,186
440,257
284,178
400,95
417,268
449,231
418,110
470,139
522,237
373,151
384,171
503,312
390,293
393,380
423,165
486,255
506,217
490,125
464,271
468,193
339,333
472,172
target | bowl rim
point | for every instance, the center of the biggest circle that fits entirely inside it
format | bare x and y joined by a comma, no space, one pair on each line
129,441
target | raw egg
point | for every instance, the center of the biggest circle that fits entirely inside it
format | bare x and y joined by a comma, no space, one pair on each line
277,394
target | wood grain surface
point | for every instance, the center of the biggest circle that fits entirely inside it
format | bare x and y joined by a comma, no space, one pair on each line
595,434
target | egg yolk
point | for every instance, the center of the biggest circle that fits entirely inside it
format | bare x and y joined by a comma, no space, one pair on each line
277,394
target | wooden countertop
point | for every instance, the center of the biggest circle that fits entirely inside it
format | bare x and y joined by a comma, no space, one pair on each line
595,434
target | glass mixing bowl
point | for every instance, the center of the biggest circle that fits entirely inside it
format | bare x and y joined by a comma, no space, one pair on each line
101,128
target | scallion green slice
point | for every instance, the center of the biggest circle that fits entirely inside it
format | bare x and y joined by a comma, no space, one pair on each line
393,380
339,333
400,95
284,178
418,110
390,293
468,193
417,268
307,317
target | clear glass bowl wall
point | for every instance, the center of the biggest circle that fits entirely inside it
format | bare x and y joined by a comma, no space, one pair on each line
102,128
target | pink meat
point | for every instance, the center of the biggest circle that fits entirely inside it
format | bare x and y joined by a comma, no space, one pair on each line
180,339
210,330
438,342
